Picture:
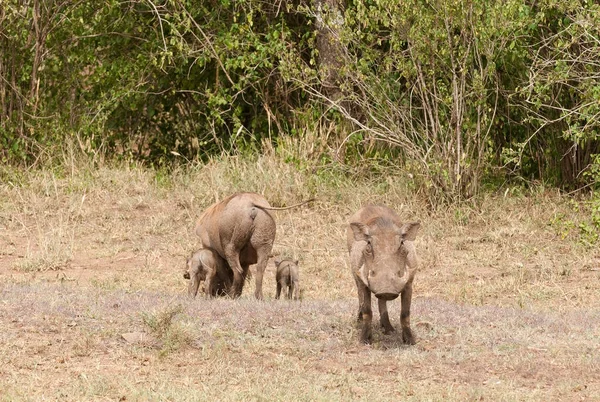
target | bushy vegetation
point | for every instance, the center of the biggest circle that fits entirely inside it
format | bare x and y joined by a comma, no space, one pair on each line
458,93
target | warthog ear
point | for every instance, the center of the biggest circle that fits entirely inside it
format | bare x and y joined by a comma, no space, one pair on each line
296,262
409,230
361,231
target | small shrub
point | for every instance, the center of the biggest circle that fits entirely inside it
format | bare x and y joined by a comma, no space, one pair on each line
169,334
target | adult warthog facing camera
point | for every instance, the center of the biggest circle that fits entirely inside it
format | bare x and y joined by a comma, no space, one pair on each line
383,262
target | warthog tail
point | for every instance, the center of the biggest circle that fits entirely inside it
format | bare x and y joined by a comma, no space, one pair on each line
284,208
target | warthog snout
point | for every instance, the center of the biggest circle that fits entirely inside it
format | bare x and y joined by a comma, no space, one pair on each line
386,284
387,296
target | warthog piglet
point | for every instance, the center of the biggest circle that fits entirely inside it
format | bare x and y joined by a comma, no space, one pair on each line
287,277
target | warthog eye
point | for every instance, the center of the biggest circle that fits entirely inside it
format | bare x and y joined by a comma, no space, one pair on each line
369,247
371,273
402,249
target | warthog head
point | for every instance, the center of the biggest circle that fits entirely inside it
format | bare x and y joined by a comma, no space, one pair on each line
385,248
194,266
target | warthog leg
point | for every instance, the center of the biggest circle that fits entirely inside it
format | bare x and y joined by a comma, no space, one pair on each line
209,284
233,259
193,285
237,285
367,317
263,257
295,290
407,335
384,317
360,287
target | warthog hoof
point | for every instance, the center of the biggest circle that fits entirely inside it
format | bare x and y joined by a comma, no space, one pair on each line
407,337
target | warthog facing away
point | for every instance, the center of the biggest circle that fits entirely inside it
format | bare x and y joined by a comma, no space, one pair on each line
241,230
287,277
383,261
206,265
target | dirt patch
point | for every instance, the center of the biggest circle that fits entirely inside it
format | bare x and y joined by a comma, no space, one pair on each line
55,332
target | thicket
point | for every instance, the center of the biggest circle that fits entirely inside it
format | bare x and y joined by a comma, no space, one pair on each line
458,93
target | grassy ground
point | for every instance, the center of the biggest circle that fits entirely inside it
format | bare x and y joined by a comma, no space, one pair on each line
506,304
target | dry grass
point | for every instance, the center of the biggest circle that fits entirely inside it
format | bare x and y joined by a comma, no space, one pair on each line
506,304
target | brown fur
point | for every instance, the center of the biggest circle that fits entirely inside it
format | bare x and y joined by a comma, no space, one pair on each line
287,277
242,232
206,265
383,261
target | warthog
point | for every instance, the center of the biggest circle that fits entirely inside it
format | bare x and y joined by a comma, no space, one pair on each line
241,230
206,265
383,261
287,277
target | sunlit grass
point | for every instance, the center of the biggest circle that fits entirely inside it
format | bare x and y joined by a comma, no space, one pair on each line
504,298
